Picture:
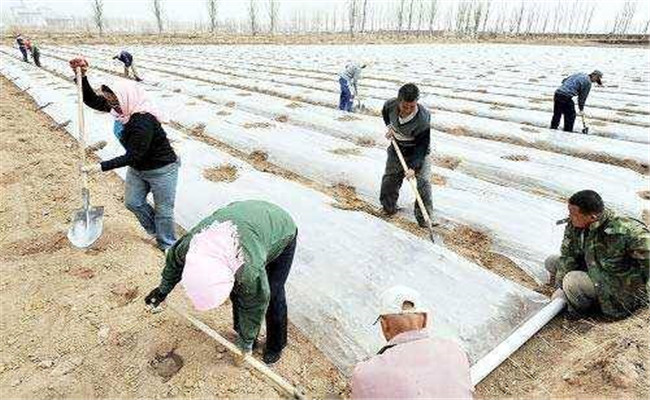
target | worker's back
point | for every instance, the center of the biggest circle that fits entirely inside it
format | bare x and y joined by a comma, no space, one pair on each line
414,365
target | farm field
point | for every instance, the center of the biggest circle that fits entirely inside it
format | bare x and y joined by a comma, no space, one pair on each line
261,122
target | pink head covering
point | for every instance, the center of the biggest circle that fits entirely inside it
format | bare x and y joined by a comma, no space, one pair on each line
211,262
132,100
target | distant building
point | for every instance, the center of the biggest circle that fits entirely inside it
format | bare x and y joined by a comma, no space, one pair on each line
34,16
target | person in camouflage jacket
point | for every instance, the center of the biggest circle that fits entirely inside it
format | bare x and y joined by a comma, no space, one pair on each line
604,260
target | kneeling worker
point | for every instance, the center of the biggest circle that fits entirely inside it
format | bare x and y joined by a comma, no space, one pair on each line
604,260
244,250
413,365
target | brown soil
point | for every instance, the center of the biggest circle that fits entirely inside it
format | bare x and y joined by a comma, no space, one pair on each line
83,331
257,125
352,151
528,129
536,101
644,194
230,104
446,161
516,157
281,118
293,104
438,180
348,117
365,141
244,94
258,156
496,107
598,123
458,130
222,113
221,173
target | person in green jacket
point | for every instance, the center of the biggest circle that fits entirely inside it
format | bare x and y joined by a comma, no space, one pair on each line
243,250
604,260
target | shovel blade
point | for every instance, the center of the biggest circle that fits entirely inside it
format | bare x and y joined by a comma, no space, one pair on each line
87,224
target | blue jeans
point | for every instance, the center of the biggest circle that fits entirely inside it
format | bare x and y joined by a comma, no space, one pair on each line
161,182
345,102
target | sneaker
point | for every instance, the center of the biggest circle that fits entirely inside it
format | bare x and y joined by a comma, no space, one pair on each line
271,357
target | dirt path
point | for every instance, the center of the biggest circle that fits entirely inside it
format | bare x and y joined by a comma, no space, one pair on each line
73,322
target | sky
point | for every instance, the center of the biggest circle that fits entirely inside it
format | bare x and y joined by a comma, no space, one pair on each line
194,10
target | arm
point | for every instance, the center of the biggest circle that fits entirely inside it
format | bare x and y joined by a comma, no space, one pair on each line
639,250
252,299
582,96
384,114
91,99
422,141
569,254
140,136
174,265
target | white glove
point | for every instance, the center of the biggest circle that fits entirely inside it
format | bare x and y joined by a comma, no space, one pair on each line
390,133
558,293
91,168
239,359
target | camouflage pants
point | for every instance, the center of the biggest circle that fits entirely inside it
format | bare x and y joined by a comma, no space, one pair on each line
132,69
578,287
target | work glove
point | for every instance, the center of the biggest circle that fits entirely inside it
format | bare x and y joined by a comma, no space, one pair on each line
91,168
155,298
409,174
79,62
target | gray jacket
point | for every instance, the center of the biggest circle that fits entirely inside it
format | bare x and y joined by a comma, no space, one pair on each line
576,85
414,136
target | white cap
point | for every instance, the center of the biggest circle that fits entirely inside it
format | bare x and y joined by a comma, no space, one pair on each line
393,299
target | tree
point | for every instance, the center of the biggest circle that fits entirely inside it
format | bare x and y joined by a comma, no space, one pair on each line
364,14
411,15
274,6
400,15
433,10
353,11
212,14
158,12
624,17
252,15
98,15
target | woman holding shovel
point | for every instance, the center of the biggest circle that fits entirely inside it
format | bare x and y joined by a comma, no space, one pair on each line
151,161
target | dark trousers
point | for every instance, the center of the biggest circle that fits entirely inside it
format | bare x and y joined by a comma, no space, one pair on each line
563,106
24,51
277,272
345,100
392,180
36,55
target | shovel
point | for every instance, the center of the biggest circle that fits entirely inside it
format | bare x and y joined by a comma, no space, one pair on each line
87,222
585,128
414,187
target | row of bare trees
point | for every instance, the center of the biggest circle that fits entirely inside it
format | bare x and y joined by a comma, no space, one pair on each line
461,18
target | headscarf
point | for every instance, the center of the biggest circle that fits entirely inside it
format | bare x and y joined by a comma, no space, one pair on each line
133,100
211,262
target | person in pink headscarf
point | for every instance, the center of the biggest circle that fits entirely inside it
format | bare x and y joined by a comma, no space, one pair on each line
152,163
243,251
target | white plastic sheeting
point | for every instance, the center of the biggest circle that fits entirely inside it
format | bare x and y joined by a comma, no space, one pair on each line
344,259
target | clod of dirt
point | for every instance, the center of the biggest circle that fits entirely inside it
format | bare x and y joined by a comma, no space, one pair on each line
257,125
533,80
438,180
446,161
244,94
496,107
82,272
352,151
176,90
198,129
366,141
644,194
346,197
67,366
536,101
222,113
281,118
258,156
631,105
458,130
166,365
527,129
348,117
516,157
125,294
293,104
481,91
221,173
598,123
230,104
42,243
